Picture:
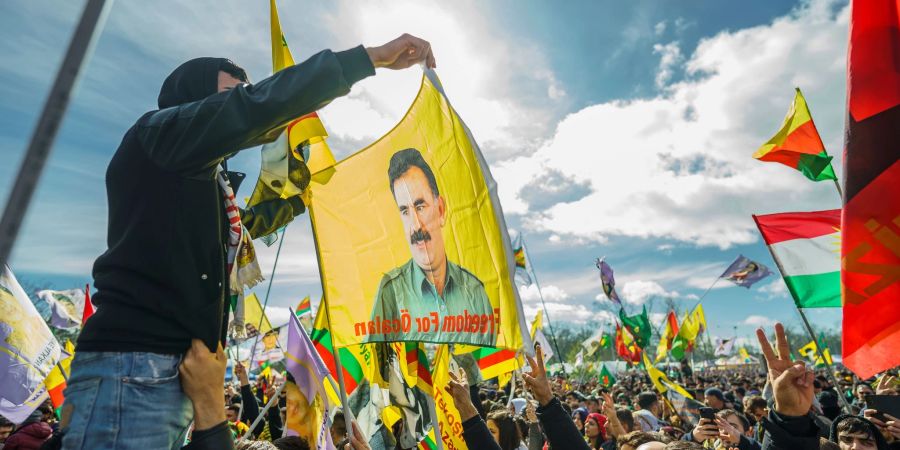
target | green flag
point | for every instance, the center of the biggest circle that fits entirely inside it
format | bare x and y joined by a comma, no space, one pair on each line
606,377
638,326
605,340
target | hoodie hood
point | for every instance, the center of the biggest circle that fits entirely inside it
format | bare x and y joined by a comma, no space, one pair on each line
880,442
191,81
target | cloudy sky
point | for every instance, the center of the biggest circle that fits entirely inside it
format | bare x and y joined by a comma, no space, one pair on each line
617,129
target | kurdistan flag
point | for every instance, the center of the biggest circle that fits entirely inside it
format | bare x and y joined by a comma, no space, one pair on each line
806,247
797,144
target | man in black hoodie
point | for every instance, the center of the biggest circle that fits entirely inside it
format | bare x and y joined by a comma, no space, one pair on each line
163,282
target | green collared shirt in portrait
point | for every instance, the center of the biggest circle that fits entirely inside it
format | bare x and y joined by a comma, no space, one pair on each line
406,289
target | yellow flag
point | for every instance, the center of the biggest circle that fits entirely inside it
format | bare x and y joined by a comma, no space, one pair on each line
744,354
281,54
538,323
254,316
661,382
811,352
447,414
420,198
699,318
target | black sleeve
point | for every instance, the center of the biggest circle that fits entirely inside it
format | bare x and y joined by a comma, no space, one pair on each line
215,438
250,410
266,217
748,444
273,416
476,401
559,427
789,433
476,435
197,135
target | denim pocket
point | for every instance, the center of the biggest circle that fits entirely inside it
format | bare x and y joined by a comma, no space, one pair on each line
152,370
81,396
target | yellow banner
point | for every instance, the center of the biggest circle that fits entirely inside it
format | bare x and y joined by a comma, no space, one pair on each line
412,243
447,414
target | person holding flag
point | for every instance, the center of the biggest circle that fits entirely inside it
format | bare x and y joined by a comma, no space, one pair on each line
153,299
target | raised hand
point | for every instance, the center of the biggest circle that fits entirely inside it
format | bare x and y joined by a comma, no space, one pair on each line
357,439
458,388
792,381
402,52
537,379
727,432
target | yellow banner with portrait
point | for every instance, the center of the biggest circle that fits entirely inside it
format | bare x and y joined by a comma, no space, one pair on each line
411,239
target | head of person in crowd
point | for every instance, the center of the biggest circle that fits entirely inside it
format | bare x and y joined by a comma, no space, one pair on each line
574,399
862,390
736,420
595,429
6,428
233,413
649,401
254,445
714,398
856,433
291,443
635,439
504,430
579,415
756,406
338,428
680,445
626,419
593,403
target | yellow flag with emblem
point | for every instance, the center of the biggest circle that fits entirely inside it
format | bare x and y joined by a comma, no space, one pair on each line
811,352
412,241
661,382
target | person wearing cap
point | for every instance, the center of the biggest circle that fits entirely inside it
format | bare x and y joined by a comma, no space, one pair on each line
714,398
574,399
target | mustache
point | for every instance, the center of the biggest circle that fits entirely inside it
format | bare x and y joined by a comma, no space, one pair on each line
419,236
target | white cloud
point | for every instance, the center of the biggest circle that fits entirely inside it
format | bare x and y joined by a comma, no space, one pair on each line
659,28
277,315
502,87
758,321
560,306
775,289
639,292
669,57
679,165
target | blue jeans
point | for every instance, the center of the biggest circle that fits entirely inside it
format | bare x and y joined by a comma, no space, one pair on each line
123,401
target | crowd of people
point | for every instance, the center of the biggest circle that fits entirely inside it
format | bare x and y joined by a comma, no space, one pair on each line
782,405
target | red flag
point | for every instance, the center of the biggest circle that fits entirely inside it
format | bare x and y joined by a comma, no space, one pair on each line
88,306
870,224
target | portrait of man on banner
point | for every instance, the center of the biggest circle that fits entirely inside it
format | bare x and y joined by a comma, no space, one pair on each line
411,239
429,283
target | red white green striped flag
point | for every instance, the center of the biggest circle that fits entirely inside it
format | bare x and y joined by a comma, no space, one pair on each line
304,308
352,358
806,247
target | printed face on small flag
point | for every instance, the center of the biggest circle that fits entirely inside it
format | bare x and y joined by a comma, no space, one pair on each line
745,272
608,281
412,242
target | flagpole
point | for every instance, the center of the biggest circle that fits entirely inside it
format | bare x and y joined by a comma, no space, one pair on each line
812,335
546,312
435,423
262,414
338,367
41,144
821,354
268,290
840,191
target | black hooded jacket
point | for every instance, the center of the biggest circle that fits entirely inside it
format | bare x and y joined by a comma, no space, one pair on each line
162,280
